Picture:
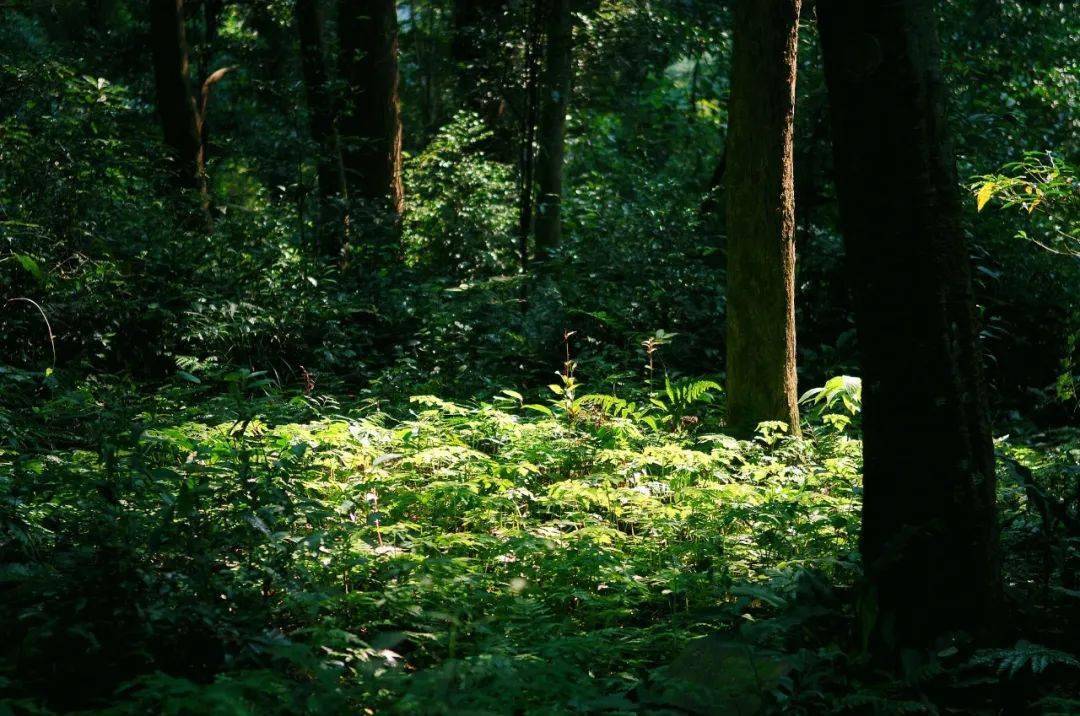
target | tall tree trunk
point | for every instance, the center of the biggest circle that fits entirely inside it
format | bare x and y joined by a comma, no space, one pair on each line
371,118
929,535
476,49
211,26
329,167
759,177
551,129
176,104
528,136
96,11
711,213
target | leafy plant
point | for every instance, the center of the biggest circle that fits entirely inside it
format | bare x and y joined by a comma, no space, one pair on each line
1024,655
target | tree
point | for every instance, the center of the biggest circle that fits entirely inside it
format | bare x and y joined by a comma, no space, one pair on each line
551,127
477,28
177,109
211,12
371,116
98,12
526,175
759,176
929,540
321,122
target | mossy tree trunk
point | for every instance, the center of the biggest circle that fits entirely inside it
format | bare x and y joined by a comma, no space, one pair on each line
929,533
759,178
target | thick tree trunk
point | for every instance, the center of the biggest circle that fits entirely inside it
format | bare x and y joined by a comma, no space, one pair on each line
371,116
759,178
551,129
175,102
929,535
329,167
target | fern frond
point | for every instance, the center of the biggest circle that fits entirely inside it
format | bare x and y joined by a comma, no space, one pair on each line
687,392
1024,654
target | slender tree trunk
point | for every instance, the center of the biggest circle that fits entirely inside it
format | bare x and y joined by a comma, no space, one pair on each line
95,14
711,212
759,178
528,136
371,118
929,535
429,65
330,170
211,25
551,130
476,50
467,46
176,104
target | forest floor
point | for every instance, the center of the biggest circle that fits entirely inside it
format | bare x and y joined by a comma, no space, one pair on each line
218,546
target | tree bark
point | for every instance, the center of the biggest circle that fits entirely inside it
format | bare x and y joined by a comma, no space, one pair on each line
551,128
371,117
929,532
761,216
330,171
176,104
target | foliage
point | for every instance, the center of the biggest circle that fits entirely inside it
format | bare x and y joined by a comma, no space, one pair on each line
464,205
237,478
836,403
1039,180
361,559
1025,655
225,545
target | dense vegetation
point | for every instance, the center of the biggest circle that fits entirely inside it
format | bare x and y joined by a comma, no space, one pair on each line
297,421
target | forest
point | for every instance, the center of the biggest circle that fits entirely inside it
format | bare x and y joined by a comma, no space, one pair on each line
539,357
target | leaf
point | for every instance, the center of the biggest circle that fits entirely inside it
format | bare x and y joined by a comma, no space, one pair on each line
188,376
256,522
759,593
985,194
386,457
30,265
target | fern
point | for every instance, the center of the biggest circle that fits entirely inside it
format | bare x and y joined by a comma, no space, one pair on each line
618,408
872,702
1024,654
1057,706
687,392
682,395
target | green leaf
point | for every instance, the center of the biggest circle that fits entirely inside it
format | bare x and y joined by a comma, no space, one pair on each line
540,409
31,266
760,593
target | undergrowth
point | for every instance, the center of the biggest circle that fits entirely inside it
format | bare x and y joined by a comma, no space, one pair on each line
225,547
